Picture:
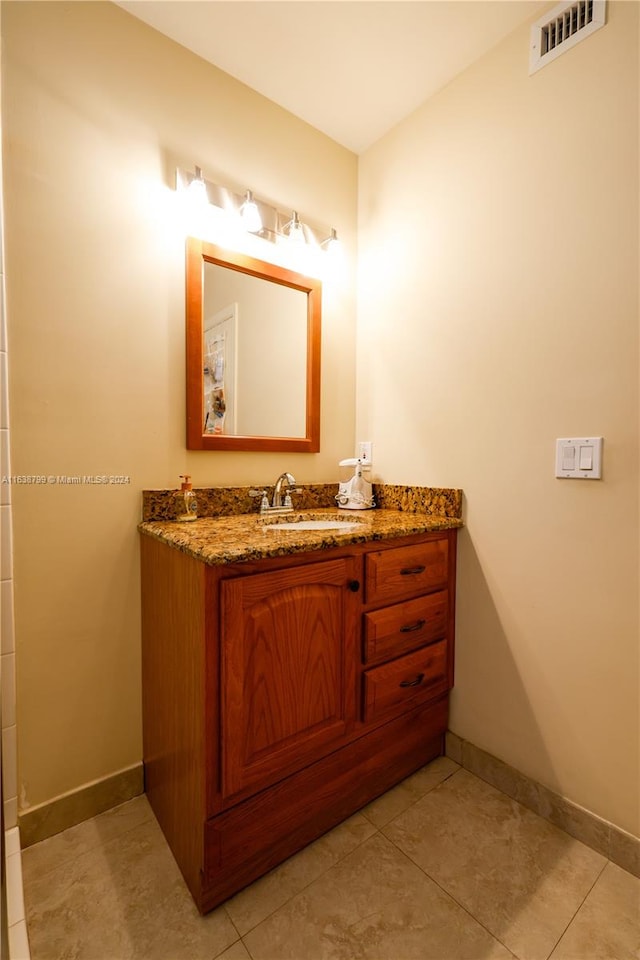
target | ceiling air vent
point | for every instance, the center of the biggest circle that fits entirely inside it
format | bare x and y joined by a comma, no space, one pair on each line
563,27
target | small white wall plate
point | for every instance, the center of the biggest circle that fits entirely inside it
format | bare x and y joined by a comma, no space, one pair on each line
579,458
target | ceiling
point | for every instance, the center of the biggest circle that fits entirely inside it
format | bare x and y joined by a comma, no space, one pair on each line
350,68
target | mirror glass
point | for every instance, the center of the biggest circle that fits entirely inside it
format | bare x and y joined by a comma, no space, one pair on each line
253,354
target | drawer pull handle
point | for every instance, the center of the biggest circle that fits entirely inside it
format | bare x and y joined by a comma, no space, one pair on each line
413,683
412,627
408,571
354,585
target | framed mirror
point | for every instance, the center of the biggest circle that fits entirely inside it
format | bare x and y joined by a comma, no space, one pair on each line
253,353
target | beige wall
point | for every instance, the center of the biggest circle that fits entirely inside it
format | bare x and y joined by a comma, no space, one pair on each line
97,110
498,310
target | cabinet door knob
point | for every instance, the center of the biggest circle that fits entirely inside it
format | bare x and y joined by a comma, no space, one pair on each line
354,585
412,627
413,683
410,570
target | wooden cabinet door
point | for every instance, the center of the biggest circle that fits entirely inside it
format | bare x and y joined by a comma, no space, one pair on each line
288,669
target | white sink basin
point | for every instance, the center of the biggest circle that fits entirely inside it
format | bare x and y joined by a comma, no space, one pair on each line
345,526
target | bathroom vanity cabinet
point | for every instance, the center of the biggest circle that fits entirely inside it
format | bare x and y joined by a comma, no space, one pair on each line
280,695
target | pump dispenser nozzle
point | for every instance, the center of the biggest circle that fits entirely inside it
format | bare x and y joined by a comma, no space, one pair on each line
186,503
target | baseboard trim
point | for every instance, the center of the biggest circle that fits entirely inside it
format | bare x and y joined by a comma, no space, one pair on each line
617,845
42,821
622,848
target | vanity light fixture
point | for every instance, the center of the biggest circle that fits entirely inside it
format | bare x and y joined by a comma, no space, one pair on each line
257,216
332,243
198,188
293,229
250,215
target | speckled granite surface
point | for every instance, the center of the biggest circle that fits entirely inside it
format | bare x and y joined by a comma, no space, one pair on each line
230,501
248,536
434,501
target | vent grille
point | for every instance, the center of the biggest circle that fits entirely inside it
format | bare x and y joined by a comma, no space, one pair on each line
563,27
566,25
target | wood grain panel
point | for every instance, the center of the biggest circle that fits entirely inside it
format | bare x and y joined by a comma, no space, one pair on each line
250,839
173,614
295,683
392,631
452,538
399,574
398,685
288,669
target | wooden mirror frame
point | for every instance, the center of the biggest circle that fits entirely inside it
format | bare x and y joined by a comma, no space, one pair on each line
200,252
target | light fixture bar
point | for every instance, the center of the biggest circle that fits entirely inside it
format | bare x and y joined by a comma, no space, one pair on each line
332,241
274,224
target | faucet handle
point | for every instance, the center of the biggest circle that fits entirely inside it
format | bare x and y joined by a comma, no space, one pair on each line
287,500
264,503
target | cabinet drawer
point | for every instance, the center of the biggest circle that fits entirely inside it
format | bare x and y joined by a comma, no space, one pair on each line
401,684
406,571
405,626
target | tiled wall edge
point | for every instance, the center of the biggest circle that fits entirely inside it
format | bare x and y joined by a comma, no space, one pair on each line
47,819
612,842
16,921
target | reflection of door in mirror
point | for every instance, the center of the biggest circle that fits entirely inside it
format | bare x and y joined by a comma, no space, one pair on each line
269,395
219,352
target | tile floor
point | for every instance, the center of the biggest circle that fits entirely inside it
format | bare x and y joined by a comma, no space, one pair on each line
439,868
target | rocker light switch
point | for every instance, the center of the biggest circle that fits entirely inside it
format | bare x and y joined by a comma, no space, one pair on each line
569,457
579,458
586,458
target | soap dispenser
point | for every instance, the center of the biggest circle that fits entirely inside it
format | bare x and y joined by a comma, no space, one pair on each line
356,493
185,500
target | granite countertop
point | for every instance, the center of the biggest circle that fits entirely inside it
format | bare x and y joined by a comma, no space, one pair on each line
234,539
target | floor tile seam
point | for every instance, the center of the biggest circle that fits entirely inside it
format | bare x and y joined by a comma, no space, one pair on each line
230,918
246,946
309,884
229,945
90,849
412,804
578,909
440,783
451,897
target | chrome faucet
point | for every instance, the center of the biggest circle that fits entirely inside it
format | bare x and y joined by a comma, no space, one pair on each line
281,500
277,501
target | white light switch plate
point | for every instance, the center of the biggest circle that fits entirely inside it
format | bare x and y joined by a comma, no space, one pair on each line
579,458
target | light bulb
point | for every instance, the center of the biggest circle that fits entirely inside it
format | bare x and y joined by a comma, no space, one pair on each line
250,215
197,189
295,232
